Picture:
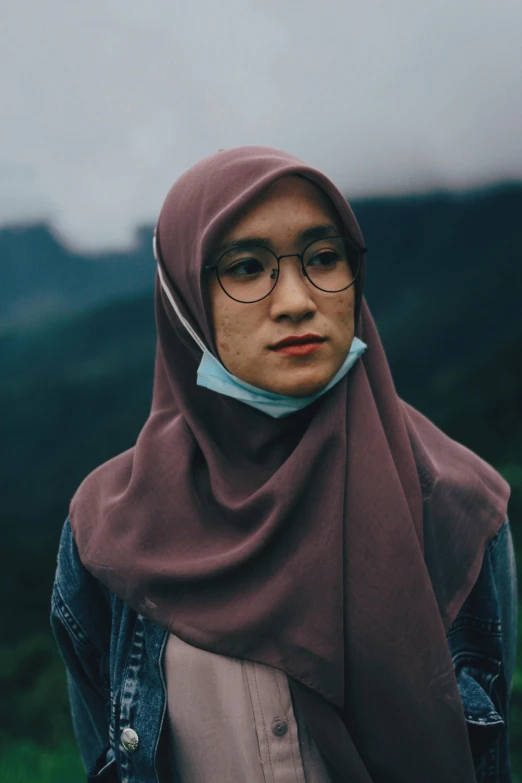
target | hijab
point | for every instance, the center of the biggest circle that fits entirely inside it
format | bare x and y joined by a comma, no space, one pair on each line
336,544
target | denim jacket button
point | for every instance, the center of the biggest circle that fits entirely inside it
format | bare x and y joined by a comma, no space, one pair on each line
130,740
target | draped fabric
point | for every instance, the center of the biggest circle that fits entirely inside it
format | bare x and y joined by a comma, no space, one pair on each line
336,544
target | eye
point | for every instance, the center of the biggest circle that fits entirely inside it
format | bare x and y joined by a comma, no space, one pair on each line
324,259
245,267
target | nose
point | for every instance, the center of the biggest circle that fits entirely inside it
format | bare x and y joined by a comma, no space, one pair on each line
291,296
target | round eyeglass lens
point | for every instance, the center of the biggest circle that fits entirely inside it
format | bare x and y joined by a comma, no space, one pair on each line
331,264
247,274
250,274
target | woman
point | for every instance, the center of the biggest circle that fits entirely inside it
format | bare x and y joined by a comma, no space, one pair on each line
283,579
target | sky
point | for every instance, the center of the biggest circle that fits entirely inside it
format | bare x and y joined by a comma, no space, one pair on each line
105,103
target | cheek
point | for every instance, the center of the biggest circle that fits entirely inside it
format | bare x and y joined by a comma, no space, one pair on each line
225,334
222,321
341,310
233,334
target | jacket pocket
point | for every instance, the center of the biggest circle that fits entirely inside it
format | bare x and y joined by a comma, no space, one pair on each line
104,769
476,679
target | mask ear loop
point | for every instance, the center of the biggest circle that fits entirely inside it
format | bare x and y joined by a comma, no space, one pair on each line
176,309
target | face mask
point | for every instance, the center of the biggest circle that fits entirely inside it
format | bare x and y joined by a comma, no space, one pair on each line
214,376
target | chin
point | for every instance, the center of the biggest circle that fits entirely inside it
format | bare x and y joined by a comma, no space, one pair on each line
302,389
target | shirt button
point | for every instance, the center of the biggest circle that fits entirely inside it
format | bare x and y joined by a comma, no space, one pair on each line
130,740
279,728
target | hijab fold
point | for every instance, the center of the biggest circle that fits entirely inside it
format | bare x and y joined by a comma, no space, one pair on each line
336,544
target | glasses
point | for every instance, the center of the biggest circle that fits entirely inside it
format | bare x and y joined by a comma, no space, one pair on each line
249,274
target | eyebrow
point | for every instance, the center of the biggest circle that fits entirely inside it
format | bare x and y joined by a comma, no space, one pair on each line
307,235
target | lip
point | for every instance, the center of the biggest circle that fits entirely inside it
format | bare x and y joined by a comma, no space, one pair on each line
299,349
298,340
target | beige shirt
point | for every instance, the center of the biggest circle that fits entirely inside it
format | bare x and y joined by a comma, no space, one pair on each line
233,721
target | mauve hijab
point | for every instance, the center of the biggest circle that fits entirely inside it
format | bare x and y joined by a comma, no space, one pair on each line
337,544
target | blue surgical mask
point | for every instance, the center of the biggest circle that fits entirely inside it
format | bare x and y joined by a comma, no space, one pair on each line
213,375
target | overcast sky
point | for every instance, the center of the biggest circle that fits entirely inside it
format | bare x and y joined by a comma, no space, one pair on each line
104,103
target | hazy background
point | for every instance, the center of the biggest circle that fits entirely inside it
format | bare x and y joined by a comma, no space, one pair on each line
105,103
414,112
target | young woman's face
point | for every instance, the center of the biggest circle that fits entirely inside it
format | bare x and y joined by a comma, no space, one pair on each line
245,334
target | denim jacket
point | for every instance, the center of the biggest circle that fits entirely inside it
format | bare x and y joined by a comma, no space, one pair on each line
113,658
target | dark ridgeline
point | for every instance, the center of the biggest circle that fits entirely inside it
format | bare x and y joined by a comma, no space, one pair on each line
76,332
440,261
40,278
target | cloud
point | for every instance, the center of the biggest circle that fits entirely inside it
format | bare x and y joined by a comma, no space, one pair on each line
104,104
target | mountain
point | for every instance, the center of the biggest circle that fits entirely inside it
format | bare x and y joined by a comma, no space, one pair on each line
40,279
443,282
429,259
443,277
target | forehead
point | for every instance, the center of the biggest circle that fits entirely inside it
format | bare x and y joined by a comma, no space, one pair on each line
291,201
